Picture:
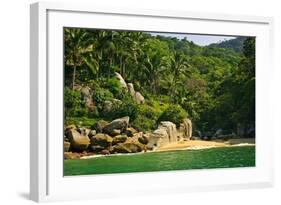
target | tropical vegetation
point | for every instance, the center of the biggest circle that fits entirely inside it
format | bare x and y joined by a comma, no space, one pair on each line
212,85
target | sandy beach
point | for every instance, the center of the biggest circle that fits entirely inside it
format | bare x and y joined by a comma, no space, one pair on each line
202,144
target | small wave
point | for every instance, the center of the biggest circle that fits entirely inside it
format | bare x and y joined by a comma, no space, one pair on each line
110,155
199,147
242,144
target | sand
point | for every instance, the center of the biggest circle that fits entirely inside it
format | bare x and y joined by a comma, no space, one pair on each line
202,144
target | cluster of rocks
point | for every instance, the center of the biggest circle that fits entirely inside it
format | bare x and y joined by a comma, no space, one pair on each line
129,87
167,132
117,137
104,138
86,94
221,134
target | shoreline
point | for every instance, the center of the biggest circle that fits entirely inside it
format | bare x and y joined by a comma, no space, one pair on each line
189,145
203,144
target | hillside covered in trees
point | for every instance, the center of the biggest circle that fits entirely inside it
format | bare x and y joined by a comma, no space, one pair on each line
214,85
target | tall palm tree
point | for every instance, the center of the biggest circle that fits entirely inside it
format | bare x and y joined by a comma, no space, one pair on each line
79,50
154,66
179,67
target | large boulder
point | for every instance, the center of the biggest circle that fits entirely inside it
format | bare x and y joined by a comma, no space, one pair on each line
158,138
99,125
164,134
78,141
100,142
122,81
117,124
87,96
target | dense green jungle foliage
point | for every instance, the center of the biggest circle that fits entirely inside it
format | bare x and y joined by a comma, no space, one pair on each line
212,85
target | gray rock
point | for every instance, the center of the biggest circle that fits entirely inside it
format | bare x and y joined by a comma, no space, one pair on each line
117,124
139,98
164,134
98,126
87,96
131,89
122,81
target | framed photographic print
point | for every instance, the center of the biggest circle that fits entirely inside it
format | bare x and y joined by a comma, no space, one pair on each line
131,102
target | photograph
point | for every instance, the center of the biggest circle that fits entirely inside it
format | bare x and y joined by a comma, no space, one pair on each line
150,101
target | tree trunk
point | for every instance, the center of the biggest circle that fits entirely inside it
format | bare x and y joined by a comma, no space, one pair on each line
121,67
73,77
123,70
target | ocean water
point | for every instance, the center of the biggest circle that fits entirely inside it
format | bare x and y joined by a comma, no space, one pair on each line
226,157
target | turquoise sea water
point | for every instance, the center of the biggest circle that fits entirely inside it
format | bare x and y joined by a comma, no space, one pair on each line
226,157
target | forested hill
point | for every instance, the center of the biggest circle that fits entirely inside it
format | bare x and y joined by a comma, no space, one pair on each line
214,85
235,44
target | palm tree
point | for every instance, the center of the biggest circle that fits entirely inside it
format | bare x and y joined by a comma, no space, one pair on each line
179,68
154,67
79,50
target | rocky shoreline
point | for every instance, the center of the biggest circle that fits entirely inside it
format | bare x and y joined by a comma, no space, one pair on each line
188,145
117,137
106,138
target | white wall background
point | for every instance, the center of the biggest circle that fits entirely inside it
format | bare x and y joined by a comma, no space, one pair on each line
14,101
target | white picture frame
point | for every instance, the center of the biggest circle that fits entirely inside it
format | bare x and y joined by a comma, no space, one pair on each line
46,159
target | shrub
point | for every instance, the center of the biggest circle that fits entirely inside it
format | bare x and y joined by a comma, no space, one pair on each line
73,103
94,112
128,108
143,123
174,113
100,95
114,86
72,98
78,112
148,112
